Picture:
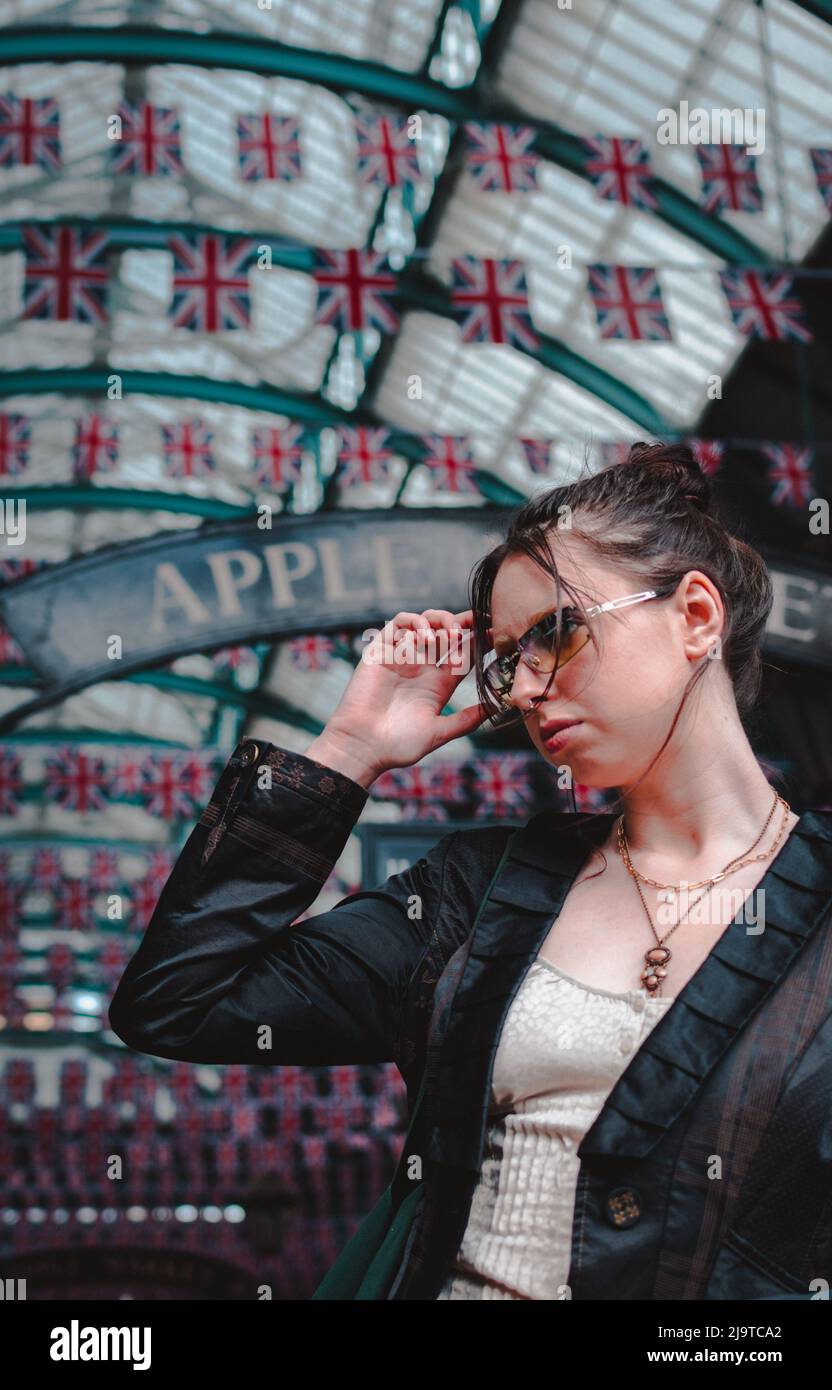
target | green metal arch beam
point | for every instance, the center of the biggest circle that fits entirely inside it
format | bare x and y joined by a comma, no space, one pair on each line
137,44
313,409
90,498
821,9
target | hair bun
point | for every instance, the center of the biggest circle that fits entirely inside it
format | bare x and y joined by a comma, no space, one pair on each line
675,466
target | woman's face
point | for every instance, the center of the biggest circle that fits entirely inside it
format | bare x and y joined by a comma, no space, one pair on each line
625,695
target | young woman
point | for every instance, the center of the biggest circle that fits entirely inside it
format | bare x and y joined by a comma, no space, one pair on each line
617,1052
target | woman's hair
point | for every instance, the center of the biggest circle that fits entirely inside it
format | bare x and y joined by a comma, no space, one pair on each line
650,517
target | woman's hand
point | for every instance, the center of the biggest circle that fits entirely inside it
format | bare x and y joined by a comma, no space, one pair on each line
390,713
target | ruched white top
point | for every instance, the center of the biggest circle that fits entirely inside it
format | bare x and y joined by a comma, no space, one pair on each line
562,1048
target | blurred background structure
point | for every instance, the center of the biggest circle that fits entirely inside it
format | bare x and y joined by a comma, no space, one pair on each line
393,259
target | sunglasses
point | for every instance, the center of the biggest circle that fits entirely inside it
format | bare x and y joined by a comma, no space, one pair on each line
540,649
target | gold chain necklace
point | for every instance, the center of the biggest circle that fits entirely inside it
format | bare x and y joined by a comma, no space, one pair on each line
657,956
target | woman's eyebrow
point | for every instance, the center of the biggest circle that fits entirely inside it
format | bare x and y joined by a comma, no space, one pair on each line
504,639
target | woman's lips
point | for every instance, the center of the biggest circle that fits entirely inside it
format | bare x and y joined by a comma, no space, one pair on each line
555,742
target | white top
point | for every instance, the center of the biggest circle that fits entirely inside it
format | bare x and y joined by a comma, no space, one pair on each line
562,1048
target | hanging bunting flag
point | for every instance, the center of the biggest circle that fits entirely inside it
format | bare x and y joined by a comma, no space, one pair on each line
17,568
538,453
502,785
354,290
362,454
708,454
763,305
278,455
30,132
386,154
628,303
790,472
171,782
268,147
238,661
822,165
613,451
14,444
127,774
422,793
491,302
187,449
76,781
10,653
210,281
102,869
45,870
96,446
451,463
312,652
620,170
73,905
11,783
66,274
500,157
149,143
729,179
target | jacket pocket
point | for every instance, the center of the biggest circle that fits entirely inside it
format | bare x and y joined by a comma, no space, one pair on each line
741,1271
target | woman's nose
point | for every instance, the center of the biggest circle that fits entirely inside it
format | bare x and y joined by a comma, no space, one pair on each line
529,683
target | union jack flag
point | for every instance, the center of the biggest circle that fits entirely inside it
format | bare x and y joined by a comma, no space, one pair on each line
729,179
239,660
502,786
11,904
73,905
46,869
10,653
423,793
628,302
620,170
763,305
187,447
363,455
127,775
790,472
77,780
11,783
149,142
538,453
14,444
210,281
312,652
159,865
354,289
386,154
103,871
30,131
19,568
170,784
66,274
613,451
491,301
499,157
278,455
96,445
143,896
822,165
451,462
268,147
708,454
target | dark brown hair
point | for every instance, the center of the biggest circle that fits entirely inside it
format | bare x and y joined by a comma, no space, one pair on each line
652,517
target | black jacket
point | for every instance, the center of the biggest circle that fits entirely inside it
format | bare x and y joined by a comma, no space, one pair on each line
707,1173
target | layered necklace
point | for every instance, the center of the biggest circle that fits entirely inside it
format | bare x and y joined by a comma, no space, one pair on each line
656,959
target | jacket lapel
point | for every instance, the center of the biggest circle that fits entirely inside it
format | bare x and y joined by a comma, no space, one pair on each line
742,969
734,980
